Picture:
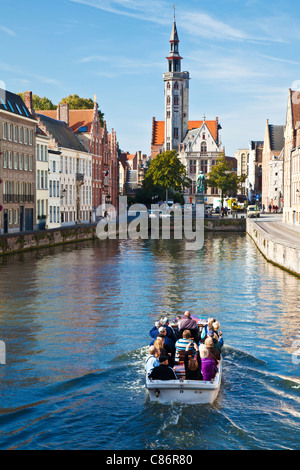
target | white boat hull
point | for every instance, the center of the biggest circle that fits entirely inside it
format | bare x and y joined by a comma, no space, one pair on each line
185,391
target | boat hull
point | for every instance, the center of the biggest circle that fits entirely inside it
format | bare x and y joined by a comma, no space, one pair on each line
184,391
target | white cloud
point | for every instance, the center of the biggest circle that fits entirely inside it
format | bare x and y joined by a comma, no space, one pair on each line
8,31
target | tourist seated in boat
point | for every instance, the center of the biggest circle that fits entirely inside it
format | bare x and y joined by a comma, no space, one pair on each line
163,371
218,334
164,350
152,359
188,323
192,364
162,333
183,342
208,365
206,328
214,353
170,332
154,332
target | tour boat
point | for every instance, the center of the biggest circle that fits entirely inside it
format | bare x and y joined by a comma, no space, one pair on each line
185,391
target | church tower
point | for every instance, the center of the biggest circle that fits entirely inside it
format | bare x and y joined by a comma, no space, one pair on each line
176,96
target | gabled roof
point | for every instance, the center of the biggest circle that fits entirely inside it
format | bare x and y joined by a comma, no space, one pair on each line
62,133
158,136
276,134
13,104
78,118
295,96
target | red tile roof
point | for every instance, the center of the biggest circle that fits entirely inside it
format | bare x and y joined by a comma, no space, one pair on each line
77,118
158,133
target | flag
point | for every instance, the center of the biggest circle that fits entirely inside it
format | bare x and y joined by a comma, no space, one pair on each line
107,172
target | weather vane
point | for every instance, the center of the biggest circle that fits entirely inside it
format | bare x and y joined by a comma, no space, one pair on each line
174,10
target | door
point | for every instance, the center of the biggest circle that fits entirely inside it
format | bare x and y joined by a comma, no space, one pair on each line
5,221
21,218
28,219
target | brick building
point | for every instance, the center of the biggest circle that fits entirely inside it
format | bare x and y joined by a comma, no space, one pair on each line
18,165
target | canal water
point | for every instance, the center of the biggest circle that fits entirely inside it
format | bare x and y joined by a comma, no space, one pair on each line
75,320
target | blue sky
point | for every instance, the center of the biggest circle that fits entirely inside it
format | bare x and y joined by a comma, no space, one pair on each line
242,57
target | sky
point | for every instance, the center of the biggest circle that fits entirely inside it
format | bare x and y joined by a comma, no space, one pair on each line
242,57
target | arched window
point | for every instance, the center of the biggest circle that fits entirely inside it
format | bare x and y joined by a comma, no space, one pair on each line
176,86
203,147
168,86
168,100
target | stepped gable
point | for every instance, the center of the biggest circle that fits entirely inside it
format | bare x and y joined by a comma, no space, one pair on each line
62,133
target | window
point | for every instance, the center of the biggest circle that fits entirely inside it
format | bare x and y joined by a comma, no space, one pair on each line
203,147
26,163
5,130
30,137
176,86
10,217
21,161
50,188
38,151
5,159
26,136
54,166
10,134
57,188
50,214
42,180
175,132
193,166
16,161
176,100
17,217
21,135
16,134
30,162
168,114
38,182
10,160
204,166
168,86
42,152
168,100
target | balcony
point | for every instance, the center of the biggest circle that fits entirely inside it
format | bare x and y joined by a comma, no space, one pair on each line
11,198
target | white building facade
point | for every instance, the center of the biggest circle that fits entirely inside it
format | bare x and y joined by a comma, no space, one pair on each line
54,189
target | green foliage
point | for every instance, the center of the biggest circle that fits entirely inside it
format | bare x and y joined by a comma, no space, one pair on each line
223,177
39,103
76,102
166,171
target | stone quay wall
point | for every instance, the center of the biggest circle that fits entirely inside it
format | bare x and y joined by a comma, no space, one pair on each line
23,241
280,253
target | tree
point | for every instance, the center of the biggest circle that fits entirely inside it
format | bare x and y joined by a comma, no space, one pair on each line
223,177
165,172
39,103
76,102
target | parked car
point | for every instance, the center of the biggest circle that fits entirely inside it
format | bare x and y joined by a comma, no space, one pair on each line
253,211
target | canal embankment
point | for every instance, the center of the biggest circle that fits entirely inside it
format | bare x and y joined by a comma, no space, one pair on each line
23,241
278,243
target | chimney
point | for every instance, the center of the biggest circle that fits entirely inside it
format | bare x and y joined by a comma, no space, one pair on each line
63,112
28,101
